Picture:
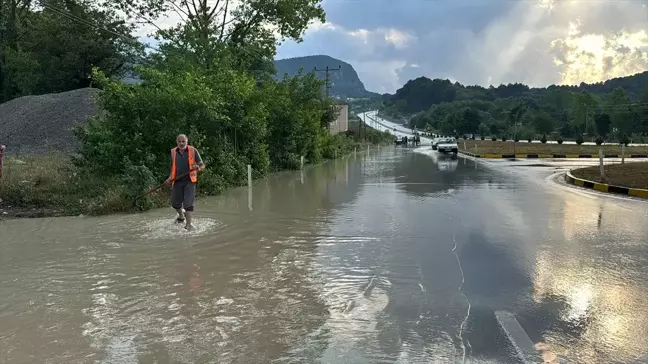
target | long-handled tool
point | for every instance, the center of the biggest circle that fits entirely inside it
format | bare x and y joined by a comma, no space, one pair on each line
153,189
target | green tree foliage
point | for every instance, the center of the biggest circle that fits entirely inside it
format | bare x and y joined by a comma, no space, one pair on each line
543,123
298,119
210,81
554,111
52,48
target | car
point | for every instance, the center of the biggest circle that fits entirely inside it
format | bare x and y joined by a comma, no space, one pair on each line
447,145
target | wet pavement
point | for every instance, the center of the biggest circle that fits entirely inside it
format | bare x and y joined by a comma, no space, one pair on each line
391,256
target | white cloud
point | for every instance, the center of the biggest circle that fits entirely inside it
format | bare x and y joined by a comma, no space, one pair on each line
483,42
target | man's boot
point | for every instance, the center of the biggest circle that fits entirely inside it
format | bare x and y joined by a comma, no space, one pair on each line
181,215
188,226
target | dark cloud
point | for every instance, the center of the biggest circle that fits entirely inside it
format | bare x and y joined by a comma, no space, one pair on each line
481,42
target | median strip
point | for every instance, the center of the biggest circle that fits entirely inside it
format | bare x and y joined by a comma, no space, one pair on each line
630,179
547,156
525,150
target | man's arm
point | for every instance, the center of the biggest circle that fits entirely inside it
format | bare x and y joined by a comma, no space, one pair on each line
168,181
199,161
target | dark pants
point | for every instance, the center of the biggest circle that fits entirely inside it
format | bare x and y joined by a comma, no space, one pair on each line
183,194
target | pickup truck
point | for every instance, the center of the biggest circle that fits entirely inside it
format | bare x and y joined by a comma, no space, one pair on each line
447,145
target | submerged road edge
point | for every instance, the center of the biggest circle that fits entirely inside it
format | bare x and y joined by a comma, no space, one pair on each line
547,156
602,187
521,342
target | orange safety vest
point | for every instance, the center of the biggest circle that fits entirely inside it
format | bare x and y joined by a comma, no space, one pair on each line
193,175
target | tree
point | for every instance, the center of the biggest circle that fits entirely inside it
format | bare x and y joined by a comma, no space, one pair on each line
602,122
53,48
543,123
584,104
483,129
620,113
237,33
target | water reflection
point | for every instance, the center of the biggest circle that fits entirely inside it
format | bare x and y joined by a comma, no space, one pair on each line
351,261
119,290
426,173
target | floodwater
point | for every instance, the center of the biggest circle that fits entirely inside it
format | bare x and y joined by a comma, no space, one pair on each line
390,256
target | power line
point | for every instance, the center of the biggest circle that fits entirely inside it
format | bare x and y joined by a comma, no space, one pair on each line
82,21
328,72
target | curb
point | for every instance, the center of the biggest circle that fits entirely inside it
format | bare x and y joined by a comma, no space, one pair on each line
602,187
548,156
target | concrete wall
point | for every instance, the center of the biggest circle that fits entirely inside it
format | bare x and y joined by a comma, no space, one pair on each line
341,124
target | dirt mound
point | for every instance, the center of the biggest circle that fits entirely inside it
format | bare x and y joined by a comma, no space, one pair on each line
41,124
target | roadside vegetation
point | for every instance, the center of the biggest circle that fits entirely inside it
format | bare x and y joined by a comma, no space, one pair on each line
524,147
363,132
614,111
211,78
629,174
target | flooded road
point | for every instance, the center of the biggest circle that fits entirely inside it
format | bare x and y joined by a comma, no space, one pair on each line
387,257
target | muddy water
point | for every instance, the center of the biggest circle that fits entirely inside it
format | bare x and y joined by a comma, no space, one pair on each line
386,257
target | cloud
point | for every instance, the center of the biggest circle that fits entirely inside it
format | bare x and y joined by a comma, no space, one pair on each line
482,41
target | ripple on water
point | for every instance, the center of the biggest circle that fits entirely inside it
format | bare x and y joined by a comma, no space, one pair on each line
164,228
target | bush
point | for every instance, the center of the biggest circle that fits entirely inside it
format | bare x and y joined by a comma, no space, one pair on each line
483,138
529,140
544,139
503,138
579,139
494,138
560,140
225,115
599,140
625,140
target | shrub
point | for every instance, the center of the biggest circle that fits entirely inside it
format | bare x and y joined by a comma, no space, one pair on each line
544,139
625,139
579,139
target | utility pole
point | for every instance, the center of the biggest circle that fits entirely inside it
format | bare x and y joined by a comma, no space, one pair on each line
328,72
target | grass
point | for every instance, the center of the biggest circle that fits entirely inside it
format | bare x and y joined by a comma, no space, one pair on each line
524,147
631,174
51,186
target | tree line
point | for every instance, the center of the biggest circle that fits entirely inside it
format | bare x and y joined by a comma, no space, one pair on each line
210,77
516,111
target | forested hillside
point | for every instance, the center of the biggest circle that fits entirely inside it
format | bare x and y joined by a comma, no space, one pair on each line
608,109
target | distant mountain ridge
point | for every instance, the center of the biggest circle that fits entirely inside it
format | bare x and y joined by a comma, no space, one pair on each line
421,93
344,83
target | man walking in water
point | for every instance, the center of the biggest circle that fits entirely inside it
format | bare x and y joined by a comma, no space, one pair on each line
185,164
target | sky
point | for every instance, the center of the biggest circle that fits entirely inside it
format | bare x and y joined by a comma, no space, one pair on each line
479,42
482,42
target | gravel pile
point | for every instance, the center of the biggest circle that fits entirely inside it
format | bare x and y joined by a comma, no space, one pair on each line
32,125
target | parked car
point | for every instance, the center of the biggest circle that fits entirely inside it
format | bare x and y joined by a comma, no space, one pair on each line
447,145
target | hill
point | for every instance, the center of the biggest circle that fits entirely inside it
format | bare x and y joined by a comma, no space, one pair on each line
421,93
344,83
32,125
608,109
